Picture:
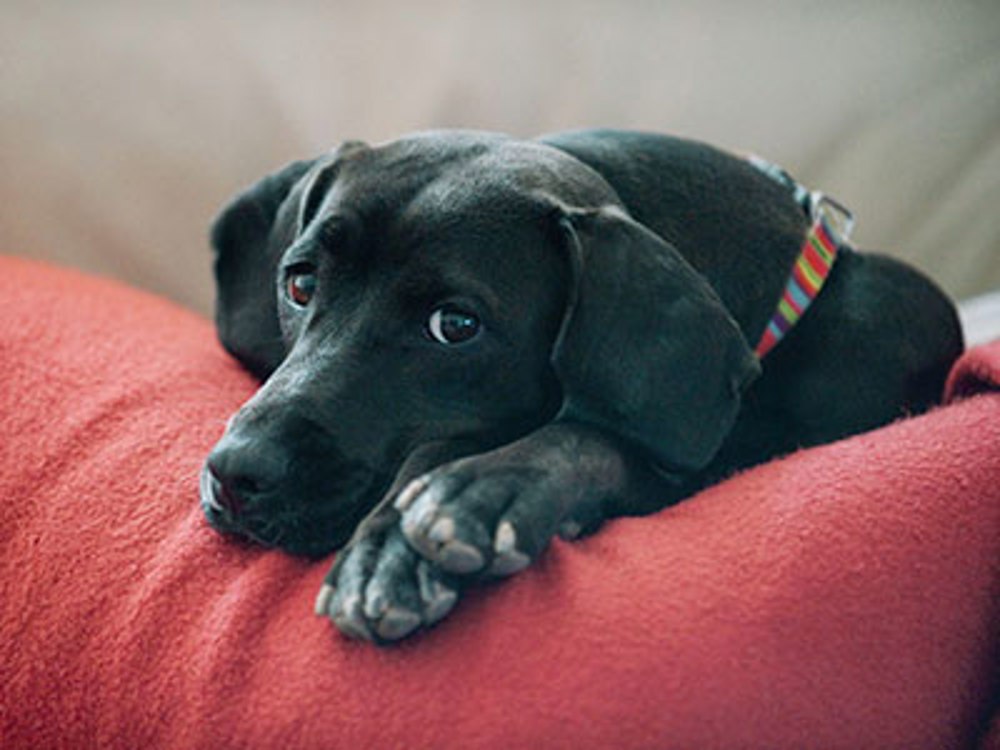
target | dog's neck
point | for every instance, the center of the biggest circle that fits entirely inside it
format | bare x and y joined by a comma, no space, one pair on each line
829,229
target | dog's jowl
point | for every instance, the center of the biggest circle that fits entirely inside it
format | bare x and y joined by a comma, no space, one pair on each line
471,343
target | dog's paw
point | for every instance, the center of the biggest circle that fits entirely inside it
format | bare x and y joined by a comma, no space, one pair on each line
485,516
381,590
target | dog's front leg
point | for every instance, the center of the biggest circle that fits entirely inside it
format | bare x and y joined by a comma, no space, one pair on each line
483,516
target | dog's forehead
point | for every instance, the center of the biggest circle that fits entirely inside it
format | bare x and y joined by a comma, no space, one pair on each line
453,204
434,180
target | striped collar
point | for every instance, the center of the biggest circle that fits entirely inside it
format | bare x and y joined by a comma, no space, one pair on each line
830,227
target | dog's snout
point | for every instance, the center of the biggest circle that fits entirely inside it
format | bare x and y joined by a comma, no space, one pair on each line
243,472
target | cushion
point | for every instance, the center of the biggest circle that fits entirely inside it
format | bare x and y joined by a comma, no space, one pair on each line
847,595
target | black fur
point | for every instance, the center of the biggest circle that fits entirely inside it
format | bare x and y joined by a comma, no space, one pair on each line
621,281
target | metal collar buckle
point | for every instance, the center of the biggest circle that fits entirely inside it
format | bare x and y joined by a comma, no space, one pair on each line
838,219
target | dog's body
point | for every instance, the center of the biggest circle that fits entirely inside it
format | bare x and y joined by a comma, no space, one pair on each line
477,342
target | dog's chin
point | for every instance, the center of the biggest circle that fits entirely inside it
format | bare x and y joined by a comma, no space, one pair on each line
277,536
287,531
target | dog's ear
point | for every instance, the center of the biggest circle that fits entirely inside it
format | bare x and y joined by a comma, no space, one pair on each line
246,258
647,349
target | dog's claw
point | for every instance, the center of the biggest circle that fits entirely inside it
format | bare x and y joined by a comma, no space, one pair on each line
418,516
438,599
441,604
375,605
323,600
410,493
507,558
443,530
459,557
396,623
506,537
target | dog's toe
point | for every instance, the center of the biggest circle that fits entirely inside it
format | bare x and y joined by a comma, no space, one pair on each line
396,623
348,615
342,596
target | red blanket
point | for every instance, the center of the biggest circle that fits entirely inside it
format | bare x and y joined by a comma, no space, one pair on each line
846,596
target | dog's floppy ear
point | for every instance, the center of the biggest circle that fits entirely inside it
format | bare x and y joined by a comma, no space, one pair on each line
246,259
647,349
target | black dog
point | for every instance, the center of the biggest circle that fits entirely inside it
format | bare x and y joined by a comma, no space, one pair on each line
472,343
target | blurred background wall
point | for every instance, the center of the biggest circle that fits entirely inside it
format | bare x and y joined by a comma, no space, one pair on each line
125,125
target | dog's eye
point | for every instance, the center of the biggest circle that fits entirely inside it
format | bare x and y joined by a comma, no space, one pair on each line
450,325
300,285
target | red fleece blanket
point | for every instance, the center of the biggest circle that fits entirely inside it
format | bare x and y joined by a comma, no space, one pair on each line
846,596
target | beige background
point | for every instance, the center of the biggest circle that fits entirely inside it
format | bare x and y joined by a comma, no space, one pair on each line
124,125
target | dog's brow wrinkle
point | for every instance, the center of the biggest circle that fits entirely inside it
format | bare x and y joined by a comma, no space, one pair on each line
315,192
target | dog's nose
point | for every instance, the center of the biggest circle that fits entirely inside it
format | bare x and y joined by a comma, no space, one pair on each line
245,471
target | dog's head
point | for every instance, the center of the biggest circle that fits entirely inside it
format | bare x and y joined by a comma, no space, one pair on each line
440,295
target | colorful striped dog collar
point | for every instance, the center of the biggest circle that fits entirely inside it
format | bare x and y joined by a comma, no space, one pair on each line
829,231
